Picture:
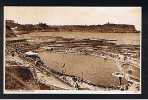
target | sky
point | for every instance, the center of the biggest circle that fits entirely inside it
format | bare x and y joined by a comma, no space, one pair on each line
74,15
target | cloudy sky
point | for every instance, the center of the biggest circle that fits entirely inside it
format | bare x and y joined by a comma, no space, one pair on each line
74,15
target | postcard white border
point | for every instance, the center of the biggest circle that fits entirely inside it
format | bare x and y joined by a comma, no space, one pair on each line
67,91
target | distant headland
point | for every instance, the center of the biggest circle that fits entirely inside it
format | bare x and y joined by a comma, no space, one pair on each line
43,27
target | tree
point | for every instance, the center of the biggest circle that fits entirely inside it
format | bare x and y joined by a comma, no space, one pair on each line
42,26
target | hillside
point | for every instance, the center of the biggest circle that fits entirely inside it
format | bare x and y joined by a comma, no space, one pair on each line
105,28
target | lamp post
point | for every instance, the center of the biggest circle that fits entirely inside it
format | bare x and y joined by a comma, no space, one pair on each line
63,68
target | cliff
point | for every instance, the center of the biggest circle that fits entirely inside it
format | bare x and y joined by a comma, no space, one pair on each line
106,28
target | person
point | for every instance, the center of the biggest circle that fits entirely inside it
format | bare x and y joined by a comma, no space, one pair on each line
12,53
76,86
105,59
120,80
126,87
51,49
125,58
